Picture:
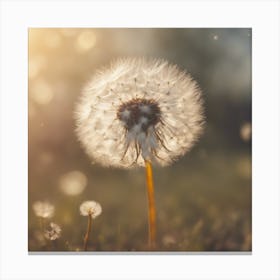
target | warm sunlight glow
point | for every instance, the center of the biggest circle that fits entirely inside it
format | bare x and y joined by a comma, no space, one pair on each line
85,41
41,92
73,183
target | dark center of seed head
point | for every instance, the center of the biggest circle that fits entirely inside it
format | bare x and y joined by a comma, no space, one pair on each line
138,111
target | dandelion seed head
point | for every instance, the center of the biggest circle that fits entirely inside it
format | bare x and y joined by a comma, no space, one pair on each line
137,110
91,208
53,232
43,209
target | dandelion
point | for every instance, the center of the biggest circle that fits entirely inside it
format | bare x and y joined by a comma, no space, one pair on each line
43,209
53,232
139,107
138,112
91,209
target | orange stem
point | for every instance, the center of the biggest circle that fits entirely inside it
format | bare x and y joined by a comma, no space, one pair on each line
151,203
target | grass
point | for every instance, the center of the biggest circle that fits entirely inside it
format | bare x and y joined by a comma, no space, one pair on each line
203,204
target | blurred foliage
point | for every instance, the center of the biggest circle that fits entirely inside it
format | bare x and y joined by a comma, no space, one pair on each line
203,200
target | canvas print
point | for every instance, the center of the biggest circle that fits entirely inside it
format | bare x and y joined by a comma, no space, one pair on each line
139,140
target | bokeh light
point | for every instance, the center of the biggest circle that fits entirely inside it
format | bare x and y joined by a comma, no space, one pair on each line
246,131
41,92
53,40
85,41
215,37
73,183
36,64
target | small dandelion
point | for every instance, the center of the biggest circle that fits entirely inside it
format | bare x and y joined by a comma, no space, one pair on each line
91,209
43,209
138,112
53,232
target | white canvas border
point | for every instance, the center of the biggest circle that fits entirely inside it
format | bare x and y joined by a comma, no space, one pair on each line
17,16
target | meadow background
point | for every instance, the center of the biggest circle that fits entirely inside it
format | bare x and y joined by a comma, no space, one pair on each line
203,200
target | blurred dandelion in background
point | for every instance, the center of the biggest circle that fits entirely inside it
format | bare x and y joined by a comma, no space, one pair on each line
139,111
53,232
43,209
73,183
91,209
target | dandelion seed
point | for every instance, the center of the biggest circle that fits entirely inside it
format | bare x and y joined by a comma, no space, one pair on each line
139,112
53,233
43,209
91,209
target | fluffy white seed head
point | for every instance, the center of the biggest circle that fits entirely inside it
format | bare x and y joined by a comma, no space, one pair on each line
137,110
43,209
91,208
53,232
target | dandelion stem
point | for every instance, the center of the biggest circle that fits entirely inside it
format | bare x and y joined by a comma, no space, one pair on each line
88,232
151,203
